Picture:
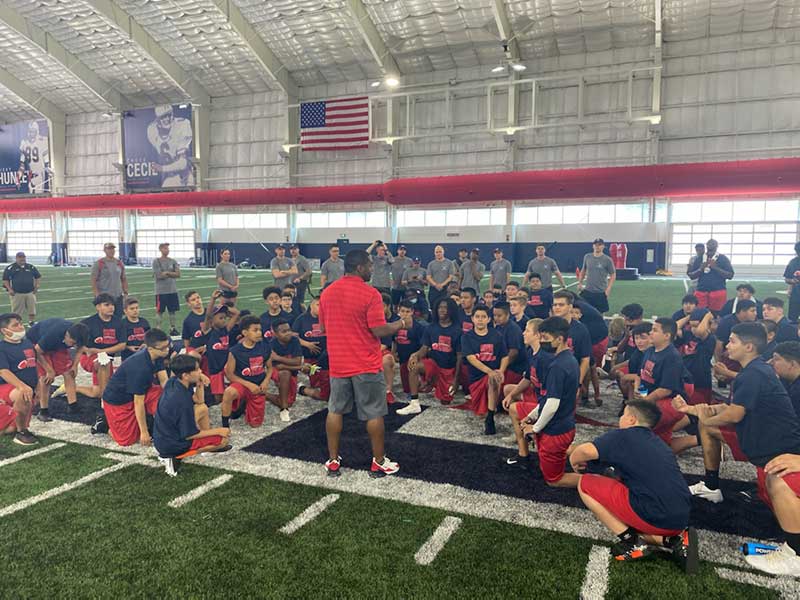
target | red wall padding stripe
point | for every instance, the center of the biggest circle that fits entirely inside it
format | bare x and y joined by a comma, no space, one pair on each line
767,176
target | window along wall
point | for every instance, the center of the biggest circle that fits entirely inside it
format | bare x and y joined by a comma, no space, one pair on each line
34,237
341,219
758,233
575,214
152,230
87,235
451,217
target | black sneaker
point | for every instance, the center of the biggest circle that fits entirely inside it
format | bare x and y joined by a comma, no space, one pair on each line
25,438
44,417
684,550
520,462
631,551
73,409
223,449
488,425
173,332
100,425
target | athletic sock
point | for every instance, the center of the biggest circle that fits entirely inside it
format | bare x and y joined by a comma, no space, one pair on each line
712,479
793,539
226,421
172,320
44,411
629,536
490,415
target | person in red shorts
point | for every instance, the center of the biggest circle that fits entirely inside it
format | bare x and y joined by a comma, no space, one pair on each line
52,340
711,275
387,343
759,425
646,504
18,377
407,341
106,338
249,370
286,358
628,379
315,353
697,345
217,328
439,358
515,343
486,356
131,394
181,423
553,419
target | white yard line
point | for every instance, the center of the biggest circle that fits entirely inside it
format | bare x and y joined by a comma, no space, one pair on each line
434,544
31,454
199,491
309,514
787,586
595,582
685,285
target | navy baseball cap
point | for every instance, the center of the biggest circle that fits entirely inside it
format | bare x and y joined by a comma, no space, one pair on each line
599,241
496,250
294,247
401,247
281,246
222,308
415,259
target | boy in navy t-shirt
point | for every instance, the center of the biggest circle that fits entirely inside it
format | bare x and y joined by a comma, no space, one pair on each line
131,394
218,328
106,338
554,418
786,362
578,340
286,358
249,371
469,299
540,300
135,327
315,353
515,343
517,308
406,343
648,505
181,425
595,324
272,298
387,357
194,340
697,345
18,380
628,371
725,368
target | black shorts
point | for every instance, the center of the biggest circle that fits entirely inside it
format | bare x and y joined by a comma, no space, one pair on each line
229,294
167,302
597,299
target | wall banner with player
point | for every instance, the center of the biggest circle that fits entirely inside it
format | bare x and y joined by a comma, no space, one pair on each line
158,148
25,158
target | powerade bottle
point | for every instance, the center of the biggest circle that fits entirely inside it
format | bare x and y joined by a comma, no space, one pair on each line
750,548
642,390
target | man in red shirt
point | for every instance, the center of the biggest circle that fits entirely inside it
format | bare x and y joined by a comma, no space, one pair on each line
351,314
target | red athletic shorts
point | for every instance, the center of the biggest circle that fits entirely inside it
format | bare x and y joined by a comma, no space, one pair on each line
552,451
217,383
700,396
511,377
122,424
524,408
614,496
713,301
479,396
8,415
792,480
60,360
254,407
599,351
322,381
669,416
732,440
440,378
292,385
88,363
622,368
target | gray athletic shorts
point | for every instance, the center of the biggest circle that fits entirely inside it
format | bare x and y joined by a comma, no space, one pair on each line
367,391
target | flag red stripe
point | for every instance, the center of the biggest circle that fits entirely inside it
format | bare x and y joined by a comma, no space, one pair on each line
333,132
335,109
344,139
342,124
312,149
347,99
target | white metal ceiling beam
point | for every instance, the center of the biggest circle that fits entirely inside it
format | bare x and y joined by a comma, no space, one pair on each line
372,37
122,20
32,98
53,49
266,57
504,27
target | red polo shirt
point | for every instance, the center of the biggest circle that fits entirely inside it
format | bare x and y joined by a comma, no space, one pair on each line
348,309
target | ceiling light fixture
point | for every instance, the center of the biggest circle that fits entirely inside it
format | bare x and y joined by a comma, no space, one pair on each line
499,69
375,84
392,81
518,67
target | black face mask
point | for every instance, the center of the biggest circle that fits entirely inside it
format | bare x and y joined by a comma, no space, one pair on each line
548,347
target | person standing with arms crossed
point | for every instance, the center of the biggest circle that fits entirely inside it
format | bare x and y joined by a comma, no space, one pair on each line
165,271
21,280
441,271
600,274
283,267
227,278
108,277
353,320
399,266
711,276
304,273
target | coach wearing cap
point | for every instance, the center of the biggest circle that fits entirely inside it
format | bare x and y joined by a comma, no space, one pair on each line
283,267
304,273
599,272
108,277
499,270
399,266
472,271
21,280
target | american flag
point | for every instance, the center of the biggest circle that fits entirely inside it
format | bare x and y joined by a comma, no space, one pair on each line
341,124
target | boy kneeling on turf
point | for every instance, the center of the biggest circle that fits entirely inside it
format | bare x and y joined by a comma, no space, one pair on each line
286,359
649,504
249,369
18,379
181,422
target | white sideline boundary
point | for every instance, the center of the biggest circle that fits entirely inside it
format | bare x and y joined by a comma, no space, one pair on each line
31,454
309,514
200,491
439,538
595,582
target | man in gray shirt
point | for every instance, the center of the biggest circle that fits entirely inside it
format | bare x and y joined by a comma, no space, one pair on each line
166,271
472,271
441,271
381,266
415,277
108,277
227,277
283,267
546,267
332,269
303,277
400,264
599,272
499,270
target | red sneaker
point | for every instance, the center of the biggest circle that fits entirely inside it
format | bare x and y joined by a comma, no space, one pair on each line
389,398
382,470
333,466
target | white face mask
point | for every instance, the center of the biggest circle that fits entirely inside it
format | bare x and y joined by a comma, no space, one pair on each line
16,336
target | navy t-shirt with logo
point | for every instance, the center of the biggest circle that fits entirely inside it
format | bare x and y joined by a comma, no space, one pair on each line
251,363
49,334
292,349
538,364
267,320
697,355
133,377
770,426
408,341
539,303
174,419
444,343
562,382
512,336
662,369
657,490
711,281
579,340
466,321
309,329
387,340
635,361
20,359
134,335
218,343
193,330
489,349
104,334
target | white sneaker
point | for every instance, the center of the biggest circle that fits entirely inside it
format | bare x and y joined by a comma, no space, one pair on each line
169,466
699,489
783,561
413,408
60,391
285,416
